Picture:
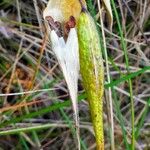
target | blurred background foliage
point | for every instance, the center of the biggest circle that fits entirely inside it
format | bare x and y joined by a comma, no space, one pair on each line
36,112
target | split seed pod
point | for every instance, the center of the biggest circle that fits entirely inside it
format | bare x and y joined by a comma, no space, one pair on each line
92,71
60,15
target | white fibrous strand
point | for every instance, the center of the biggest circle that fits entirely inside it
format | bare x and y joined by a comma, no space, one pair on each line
68,57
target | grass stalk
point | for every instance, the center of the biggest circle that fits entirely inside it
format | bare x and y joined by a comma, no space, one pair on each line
108,78
124,47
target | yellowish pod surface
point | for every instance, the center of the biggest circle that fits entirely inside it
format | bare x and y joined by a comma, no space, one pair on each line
92,72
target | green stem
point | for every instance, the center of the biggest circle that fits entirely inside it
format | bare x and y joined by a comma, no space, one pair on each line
124,47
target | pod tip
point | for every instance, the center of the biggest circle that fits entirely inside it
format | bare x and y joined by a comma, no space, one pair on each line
83,8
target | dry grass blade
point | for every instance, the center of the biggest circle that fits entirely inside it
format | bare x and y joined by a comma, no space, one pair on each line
32,87
109,12
110,100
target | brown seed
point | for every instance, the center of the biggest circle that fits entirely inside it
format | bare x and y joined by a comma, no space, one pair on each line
56,26
49,18
69,24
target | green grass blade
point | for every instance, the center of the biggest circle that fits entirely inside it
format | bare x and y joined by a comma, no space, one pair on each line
127,77
124,47
120,117
41,112
24,144
141,122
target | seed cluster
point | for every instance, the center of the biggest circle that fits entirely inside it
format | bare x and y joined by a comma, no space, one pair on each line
61,31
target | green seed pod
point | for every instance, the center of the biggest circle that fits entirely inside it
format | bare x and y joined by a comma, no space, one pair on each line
92,72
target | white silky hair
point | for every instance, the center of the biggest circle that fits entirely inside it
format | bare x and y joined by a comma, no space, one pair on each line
53,10
67,54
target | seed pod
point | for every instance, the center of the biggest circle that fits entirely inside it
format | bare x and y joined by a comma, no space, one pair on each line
92,71
61,10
